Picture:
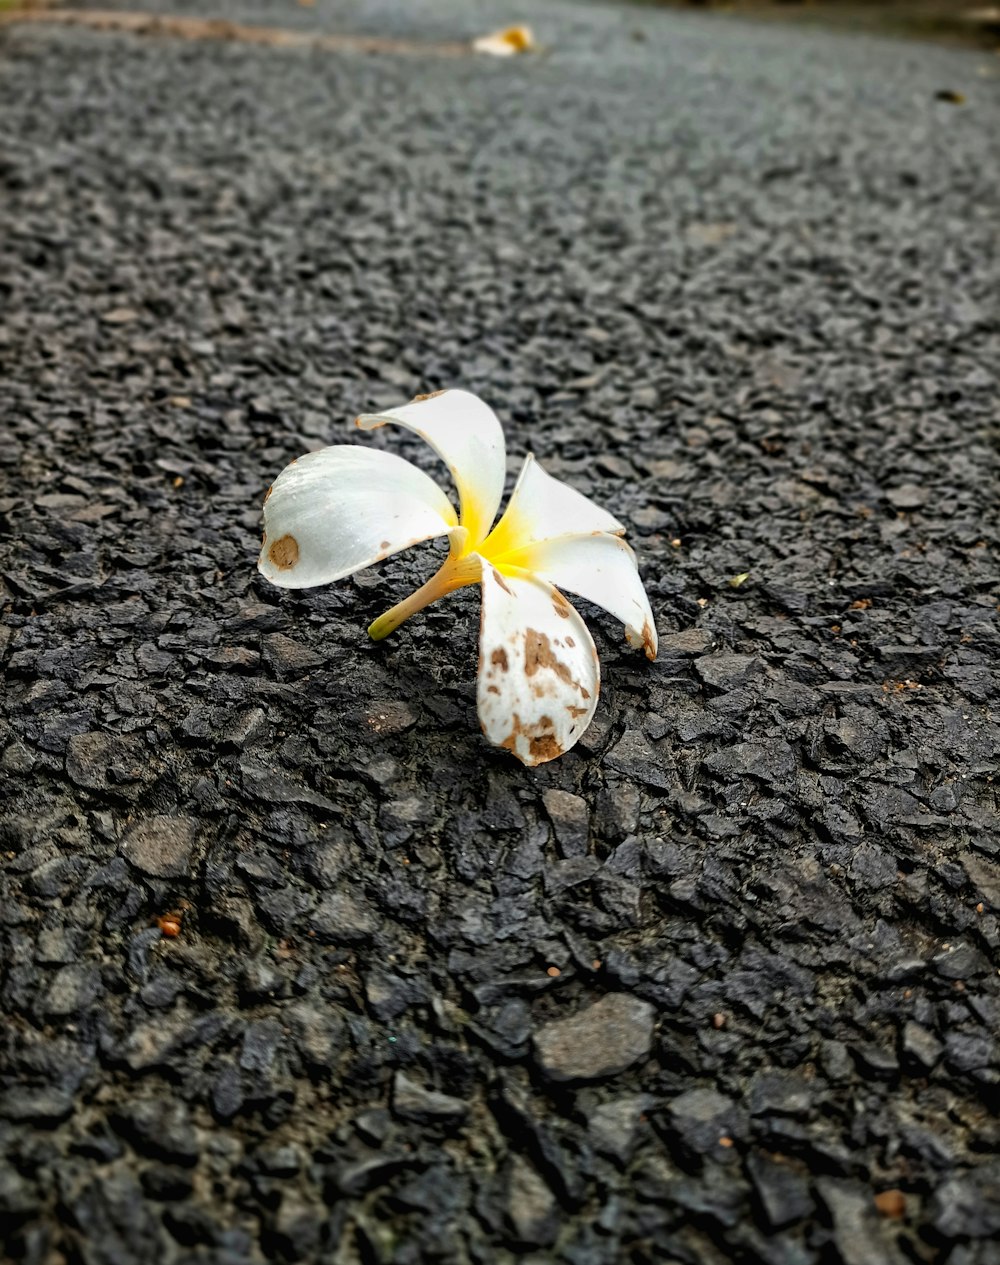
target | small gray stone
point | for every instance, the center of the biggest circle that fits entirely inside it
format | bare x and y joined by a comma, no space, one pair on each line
907,497
531,1207
260,1045
635,756
160,1128
243,726
47,1105
726,671
413,1101
613,1125
99,761
968,1206
689,641
570,820
921,1049
161,846
780,1093
701,1117
783,1191
73,988
286,655
343,918
601,1040
876,1060
389,716
18,1197
857,1232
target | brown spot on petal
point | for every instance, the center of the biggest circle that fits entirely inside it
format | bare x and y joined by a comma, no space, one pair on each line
538,654
561,607
385,544
540,746
492,689
570,642
268,493
499,659
431,395
284,553
544,747
500,580
576,711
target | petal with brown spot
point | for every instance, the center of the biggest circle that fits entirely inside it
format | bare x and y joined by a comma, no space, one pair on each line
335,511
540,705
600,568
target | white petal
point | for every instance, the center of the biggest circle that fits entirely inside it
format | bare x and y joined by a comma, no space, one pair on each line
541,507
466,435
335,511
603,570
538,671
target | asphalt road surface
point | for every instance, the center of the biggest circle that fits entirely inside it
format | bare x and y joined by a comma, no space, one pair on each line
295,966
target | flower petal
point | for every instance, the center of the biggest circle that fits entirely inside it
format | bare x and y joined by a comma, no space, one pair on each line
466,435
538,671
335,511
602,569
541,507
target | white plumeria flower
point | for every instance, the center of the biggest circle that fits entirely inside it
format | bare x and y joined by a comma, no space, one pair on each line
336,511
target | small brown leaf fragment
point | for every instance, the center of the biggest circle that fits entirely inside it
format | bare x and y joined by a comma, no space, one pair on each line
284,553
170,923
950,96
891,1204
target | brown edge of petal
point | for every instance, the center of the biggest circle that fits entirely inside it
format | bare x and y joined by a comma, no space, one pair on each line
649,640
430,395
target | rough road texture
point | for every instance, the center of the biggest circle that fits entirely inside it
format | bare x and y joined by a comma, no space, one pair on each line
721,984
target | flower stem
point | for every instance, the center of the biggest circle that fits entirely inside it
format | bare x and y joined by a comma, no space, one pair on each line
454,574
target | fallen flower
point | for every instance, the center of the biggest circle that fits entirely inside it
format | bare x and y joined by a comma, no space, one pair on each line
336,511
505,43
